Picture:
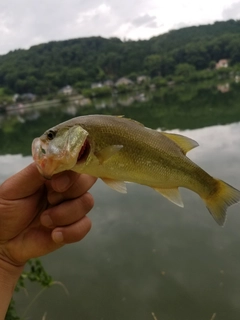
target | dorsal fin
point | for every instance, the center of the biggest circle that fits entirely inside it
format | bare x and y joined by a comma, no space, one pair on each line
185,143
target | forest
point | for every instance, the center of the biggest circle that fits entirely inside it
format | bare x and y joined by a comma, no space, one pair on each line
44,69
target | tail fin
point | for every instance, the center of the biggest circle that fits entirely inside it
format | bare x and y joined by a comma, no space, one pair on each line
218,203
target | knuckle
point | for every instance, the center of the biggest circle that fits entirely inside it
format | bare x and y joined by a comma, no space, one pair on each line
85,226
77,231
87,201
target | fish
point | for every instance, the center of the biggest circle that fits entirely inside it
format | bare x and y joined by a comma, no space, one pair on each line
119,150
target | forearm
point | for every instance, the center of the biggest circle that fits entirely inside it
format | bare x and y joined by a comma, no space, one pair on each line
9,275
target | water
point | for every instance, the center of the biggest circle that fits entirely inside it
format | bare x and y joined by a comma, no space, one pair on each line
145,258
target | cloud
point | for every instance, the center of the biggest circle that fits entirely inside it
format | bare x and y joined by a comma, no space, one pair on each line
25,23
28,22
4,29
232,12
181,25
147,20
93,14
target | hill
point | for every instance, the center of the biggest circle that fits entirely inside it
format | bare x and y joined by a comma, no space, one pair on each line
47,67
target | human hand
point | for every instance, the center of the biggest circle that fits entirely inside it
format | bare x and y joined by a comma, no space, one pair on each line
39,216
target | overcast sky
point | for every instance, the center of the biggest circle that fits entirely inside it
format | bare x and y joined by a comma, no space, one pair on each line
24,23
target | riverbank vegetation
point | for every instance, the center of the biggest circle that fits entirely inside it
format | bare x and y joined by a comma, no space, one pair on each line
183,107
188,54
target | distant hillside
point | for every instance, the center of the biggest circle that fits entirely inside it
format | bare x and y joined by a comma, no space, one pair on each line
182,37
47,67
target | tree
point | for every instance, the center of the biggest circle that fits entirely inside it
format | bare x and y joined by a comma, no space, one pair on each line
185,70
153,64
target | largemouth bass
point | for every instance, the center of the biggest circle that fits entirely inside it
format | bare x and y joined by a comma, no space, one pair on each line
117,150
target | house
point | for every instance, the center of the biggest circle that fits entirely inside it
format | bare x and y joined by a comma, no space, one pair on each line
237,79
85,102
30,97
141,97
96,85
67,90
126,101
108,83
142,79
223,87
223,63
15,97
124,82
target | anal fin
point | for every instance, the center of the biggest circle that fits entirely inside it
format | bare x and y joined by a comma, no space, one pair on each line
172,195
117,185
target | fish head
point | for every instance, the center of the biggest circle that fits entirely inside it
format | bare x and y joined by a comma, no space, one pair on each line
59,149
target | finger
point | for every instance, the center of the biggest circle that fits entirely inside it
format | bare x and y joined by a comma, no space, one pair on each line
64,180
72,233
22,184
79,186
67,212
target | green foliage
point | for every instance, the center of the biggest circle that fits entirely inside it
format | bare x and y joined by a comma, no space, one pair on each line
159,82
63,98
97,92
132,76
122,88
50,97
223,73
102,91
37,274
212,65
48,67
80,85
87,92
11,313
152,64
2,92
5,98
203,75
185,70
236,67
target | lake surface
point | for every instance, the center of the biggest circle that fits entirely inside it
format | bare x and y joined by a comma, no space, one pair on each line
145,258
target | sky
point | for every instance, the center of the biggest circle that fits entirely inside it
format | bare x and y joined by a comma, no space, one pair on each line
24,23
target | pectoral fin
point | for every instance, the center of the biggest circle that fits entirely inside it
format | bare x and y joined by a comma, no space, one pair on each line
171,194
119,186
185,143
107,152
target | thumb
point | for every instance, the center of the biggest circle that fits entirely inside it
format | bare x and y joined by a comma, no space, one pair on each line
22,184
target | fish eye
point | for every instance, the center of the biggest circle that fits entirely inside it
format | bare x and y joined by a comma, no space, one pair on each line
51,135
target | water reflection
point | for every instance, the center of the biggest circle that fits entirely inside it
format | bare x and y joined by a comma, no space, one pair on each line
10,164
145,255
180,107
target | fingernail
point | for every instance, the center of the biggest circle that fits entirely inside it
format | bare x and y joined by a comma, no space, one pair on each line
61,182
47,221
57,236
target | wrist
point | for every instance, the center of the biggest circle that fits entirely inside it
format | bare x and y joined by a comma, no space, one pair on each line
9,275
9,269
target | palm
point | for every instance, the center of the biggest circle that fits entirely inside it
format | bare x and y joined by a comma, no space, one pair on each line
22,233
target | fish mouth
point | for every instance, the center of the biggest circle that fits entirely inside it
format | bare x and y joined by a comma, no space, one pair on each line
49,164
44,163
84,152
